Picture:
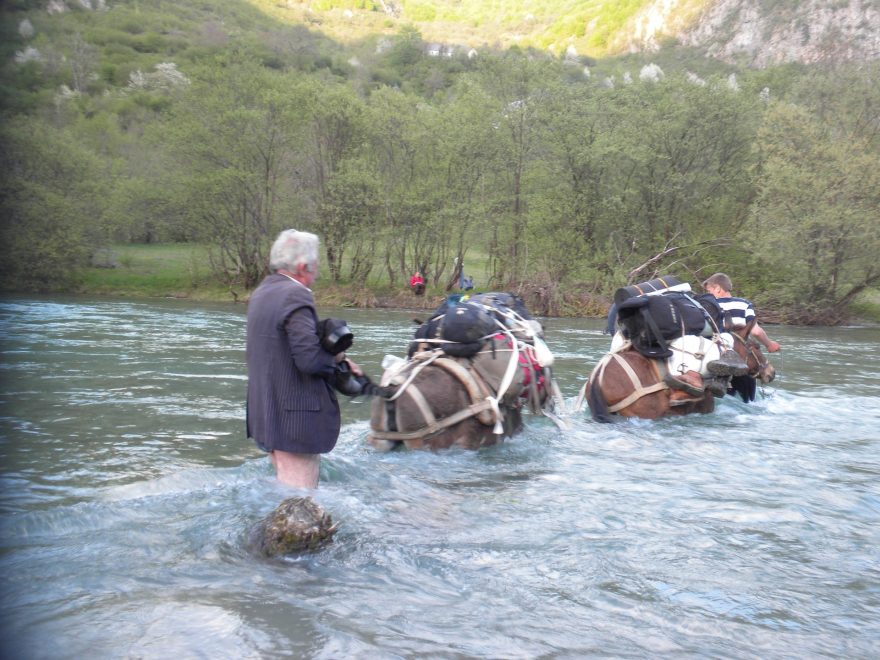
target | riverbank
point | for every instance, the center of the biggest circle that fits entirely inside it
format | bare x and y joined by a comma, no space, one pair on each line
183,271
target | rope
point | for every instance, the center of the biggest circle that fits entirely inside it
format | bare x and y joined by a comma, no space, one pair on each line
476,389
511,365
437,425
423,362
416,395
472,387
638,392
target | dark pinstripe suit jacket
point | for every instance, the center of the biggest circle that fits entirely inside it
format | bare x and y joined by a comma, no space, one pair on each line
290,403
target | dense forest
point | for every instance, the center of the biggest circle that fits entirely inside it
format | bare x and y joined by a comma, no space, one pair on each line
559,177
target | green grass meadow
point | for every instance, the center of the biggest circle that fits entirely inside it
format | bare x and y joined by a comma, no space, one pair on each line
183,270
158,270
867,307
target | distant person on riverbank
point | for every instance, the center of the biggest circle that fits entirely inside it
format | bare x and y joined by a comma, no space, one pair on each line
292,411
417,283
740,310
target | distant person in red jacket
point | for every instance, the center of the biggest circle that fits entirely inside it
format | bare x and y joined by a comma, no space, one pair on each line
417,284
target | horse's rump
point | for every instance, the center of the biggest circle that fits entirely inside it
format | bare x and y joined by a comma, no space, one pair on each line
444,401
470,368
631,385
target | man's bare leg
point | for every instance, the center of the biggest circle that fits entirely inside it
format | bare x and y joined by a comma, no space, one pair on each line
297,470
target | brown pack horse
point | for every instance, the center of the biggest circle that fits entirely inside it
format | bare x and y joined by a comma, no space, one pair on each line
444,405
631,385
466,393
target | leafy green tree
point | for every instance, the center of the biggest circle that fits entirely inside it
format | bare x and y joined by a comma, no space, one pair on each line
519,86
577,202
403,146
351,211
816,214
334,137
690,150
465,155
408,48
50,200
233,134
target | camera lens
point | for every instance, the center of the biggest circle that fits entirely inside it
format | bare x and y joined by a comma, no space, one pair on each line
338,339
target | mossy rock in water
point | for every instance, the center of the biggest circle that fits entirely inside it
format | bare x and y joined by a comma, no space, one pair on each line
296,525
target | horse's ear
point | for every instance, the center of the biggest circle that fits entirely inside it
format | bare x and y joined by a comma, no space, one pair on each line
727,323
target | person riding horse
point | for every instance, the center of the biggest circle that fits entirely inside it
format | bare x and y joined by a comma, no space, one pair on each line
740,310
673,351
629,384
660,319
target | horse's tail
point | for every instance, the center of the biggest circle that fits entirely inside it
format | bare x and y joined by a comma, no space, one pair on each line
598,406
745,386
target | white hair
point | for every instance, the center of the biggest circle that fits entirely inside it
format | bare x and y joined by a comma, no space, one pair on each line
293,248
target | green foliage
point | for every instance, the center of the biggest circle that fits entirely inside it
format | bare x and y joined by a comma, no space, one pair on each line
335,119
214,122
232,139
817,210
325,5
408,48
867,306
421,11
156,270
594,27
612,19
51,220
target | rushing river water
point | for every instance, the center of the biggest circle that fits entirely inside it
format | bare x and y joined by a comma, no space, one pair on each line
128,489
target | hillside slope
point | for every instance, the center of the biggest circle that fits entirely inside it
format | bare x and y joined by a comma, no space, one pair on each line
808,31
751,32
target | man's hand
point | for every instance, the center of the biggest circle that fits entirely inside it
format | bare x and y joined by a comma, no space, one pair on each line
355,368
773,346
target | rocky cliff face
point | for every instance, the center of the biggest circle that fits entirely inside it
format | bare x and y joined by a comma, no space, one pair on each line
765,32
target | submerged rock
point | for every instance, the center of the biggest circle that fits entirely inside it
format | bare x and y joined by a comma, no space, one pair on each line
296,525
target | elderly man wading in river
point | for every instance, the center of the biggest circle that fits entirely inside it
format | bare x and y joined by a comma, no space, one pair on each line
292,411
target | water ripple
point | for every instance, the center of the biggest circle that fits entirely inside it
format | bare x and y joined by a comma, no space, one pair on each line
127,492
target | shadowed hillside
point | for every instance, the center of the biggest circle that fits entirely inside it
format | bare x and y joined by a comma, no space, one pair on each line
754,32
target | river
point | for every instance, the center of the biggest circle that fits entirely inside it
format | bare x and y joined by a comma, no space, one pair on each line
128,488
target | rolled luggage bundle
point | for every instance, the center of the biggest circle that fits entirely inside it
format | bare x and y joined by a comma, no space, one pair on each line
467,325
665,283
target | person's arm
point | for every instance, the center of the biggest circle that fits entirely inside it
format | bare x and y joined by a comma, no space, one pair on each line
759,334
305,348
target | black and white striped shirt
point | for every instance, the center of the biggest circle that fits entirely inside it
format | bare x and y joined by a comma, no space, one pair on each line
741,310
